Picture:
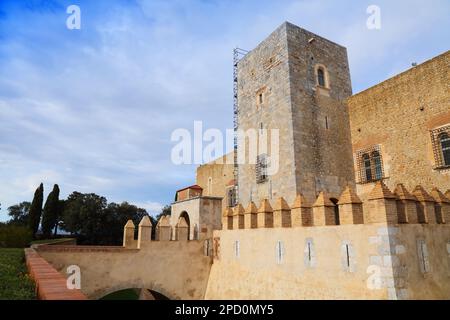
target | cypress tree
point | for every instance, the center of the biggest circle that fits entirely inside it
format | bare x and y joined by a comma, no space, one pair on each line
36,209
51,212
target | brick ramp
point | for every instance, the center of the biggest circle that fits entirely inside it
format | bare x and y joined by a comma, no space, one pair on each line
50,284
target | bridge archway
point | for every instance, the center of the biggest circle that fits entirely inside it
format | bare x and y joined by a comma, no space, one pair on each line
158,293
135,294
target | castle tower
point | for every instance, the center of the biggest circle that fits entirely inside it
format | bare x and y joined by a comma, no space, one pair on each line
296,82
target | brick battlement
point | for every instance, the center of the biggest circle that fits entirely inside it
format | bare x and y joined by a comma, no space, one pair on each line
382,206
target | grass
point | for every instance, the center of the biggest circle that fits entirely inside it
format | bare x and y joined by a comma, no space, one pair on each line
127,294
15,283
50,241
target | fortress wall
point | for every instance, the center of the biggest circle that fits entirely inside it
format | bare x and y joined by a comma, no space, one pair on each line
397,115
257,274
396,246
216,177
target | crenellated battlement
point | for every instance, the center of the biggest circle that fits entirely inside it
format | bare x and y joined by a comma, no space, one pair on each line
382,206
163,232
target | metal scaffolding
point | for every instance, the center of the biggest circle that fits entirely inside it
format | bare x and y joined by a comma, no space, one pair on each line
238,54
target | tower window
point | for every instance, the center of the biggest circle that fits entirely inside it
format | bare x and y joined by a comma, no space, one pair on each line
261,168
321,77
367,167
260,98
370,164
440,139
231,197
376,158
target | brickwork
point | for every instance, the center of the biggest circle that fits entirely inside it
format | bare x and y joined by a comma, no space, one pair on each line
50,284
403,115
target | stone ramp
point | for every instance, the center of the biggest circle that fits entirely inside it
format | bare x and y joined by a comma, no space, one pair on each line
50,284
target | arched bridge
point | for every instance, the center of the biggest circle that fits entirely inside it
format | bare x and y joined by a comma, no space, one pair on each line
176,269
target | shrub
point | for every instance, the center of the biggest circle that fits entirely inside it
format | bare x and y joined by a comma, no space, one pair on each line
12,236
15,284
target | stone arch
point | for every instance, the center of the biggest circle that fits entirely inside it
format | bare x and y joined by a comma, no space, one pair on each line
100,293
185,215
326,77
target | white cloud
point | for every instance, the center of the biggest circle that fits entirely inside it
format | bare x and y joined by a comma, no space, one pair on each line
93,110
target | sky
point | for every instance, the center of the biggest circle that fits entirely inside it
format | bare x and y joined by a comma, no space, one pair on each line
93,109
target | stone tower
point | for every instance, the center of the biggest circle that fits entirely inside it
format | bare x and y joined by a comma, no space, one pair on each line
296,82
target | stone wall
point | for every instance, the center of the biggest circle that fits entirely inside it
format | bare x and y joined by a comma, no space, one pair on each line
216,177
159,265
299,251
277,89
322,147
398,115
204,214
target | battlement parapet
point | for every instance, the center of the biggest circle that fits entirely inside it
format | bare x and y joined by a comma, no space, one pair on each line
382,206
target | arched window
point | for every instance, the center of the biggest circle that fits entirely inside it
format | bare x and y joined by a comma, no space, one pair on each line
367,167
370,164
376,159
444,140
321,77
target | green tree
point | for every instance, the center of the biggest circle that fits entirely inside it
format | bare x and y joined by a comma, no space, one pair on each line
165,211
84,216
19,214
36,209
51,212
94,221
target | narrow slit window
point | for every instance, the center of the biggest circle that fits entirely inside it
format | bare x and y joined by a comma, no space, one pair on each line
280,252
309,251
348,255
423,256
237,249
309,257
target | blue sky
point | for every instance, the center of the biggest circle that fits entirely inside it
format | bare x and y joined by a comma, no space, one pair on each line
93,109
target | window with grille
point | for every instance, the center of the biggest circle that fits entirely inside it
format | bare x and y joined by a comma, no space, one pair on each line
231,197
440,138
261,168
370,164
444,140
